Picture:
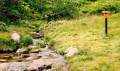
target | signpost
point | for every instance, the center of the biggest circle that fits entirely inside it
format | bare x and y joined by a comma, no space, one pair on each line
106,15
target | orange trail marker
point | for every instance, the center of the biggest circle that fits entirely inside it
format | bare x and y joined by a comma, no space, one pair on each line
106,15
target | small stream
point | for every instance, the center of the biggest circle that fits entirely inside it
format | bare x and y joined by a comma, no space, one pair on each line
22,62
6,57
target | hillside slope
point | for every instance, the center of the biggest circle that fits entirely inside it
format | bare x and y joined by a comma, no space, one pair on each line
96,51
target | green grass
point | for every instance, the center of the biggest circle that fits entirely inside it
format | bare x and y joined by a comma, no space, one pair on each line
97,53
6,43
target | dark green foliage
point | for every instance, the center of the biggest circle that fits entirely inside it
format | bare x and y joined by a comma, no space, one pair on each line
3,27
36,9
27,40
14,10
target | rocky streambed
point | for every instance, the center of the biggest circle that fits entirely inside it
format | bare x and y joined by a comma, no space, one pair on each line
40,59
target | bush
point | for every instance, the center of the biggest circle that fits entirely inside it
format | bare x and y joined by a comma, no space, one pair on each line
4,40
26,40
40,44
99,6
6,44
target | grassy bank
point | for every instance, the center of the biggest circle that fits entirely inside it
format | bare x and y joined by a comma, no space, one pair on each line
97,53
6,43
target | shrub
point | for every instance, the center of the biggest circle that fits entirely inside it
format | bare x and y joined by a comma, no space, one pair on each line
26,40
5,40
6,44
40,44
98,7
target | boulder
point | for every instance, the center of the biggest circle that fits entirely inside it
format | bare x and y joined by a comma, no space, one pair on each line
22,50
39,65
15,37
71,51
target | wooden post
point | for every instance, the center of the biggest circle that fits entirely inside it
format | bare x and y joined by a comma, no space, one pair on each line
106,27
106,15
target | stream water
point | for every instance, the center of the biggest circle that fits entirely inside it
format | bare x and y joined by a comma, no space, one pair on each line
20,62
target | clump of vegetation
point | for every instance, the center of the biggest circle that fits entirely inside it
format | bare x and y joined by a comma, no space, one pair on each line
51,43
3,27
6,43
38,9
26,40
47,38
40,44
4,40
36,30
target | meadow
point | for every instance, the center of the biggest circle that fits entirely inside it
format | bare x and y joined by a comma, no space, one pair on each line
97,52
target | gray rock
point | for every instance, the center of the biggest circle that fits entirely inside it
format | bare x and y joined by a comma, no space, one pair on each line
15,37
22,50
17,66
59,62
71,51
40,65
3,67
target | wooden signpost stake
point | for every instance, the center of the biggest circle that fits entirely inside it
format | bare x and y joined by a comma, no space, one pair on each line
106,15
